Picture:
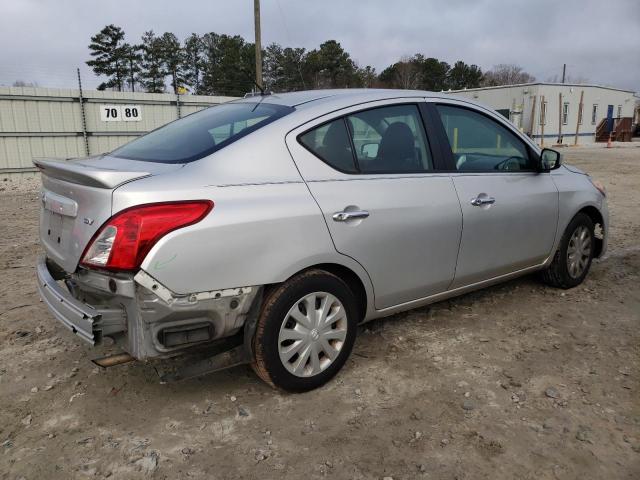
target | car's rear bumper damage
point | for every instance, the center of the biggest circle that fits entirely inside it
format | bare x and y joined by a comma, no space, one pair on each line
142,316
78,317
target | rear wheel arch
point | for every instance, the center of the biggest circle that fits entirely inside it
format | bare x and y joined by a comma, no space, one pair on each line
347,275
354,282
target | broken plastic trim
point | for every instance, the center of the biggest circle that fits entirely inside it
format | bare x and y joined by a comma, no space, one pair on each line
150,283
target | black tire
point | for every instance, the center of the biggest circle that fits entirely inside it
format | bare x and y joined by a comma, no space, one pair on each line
276,305
557,274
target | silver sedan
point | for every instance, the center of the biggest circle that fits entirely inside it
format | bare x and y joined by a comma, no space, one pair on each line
266,229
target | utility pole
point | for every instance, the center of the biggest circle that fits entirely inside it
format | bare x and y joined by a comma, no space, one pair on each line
564,70
256,14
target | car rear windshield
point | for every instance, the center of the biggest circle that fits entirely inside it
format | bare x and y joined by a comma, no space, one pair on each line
201,133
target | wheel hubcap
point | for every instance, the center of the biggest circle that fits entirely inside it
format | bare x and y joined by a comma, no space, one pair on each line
312,334
579,251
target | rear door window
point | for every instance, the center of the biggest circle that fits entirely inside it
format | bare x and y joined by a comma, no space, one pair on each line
390,140
331,143
202,133
379,140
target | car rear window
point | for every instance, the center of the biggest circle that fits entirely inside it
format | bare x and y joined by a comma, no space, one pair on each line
202,133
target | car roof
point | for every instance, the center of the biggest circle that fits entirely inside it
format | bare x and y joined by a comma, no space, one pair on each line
298,99
310,104
308,101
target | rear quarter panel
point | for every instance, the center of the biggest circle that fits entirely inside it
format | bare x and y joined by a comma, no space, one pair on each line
264,226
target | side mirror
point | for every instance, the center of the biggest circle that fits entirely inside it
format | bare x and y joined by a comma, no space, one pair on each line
550,159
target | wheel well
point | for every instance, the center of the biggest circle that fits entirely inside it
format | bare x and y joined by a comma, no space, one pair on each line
351,279
596,217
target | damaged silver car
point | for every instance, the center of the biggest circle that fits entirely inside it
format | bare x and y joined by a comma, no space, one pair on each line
264,230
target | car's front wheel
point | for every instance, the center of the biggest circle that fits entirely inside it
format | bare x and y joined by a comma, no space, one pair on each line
575,253
305,331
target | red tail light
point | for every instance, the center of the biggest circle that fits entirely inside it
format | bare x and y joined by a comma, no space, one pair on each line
124,241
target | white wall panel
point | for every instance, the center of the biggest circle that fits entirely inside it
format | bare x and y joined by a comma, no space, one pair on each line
47,122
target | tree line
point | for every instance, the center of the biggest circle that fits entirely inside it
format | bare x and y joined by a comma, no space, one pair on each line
220,64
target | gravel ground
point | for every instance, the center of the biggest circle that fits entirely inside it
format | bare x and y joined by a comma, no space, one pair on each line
516,381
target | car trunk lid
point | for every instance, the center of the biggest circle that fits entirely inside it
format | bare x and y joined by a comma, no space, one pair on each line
76,199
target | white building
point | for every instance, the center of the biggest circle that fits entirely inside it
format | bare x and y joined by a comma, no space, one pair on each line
553,113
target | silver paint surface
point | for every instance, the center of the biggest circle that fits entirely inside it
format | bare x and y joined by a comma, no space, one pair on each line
274,204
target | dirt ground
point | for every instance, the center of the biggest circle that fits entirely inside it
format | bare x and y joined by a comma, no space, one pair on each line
516,381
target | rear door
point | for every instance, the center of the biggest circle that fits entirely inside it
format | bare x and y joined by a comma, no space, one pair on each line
509,209
373,173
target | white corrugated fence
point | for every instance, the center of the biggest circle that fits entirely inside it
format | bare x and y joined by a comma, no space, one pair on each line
48,122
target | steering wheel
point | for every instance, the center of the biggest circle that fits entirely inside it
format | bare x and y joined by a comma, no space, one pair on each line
508,163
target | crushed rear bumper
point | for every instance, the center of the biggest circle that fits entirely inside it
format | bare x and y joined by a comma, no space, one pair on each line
89,322
73,314
141,315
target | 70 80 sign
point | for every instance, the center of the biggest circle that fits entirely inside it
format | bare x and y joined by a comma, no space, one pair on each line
120,113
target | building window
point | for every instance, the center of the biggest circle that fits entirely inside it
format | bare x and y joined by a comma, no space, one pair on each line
565,113
543,113
619,111
580,110
594,114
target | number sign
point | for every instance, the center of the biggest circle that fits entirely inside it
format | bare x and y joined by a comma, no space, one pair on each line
120,113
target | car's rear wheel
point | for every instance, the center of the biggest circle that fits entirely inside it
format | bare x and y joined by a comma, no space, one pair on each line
575,253
305,331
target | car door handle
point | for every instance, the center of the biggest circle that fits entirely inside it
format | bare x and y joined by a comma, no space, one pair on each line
344,216
479,201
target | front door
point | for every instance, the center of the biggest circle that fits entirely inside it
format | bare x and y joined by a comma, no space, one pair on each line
382,200
509,210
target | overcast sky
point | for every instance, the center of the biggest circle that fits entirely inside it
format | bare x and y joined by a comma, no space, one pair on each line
44,40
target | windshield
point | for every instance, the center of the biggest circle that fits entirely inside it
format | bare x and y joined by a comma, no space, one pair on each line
201,133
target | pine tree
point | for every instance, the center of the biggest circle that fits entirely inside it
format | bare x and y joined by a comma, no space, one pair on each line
133,57
229,67
173,58
283,68
108,49
367,76
330,66
193,62
462,76
152,72
433,73
210,63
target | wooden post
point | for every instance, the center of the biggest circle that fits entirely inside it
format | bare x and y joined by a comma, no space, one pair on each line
543,118
533,116
560,118
455,140
256,14
580,112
